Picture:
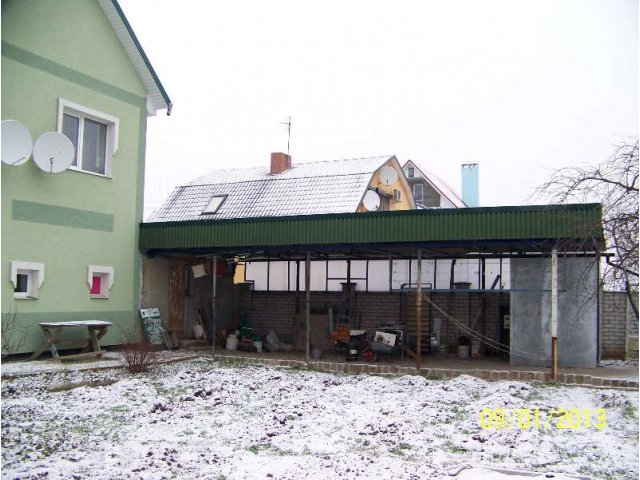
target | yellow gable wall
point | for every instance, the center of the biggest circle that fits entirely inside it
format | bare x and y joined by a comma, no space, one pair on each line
405,203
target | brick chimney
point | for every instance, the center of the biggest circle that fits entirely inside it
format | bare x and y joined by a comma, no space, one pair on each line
280,162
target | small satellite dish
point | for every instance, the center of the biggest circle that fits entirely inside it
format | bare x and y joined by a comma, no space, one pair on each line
16,143
53,152
371,201
388,175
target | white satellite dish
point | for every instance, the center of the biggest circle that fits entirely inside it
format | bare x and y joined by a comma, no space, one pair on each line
16,143
371,201
53,152
388,175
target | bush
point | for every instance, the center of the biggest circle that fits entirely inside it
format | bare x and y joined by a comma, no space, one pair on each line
138,355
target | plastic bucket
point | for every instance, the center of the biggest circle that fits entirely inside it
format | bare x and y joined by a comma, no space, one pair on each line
463,351
476,349
232,342
258,345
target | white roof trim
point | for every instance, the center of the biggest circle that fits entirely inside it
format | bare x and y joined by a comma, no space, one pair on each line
157,98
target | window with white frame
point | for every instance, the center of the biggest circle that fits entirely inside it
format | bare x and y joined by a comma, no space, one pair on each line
100,280
94,136
418,192
27,278
410,172
214,204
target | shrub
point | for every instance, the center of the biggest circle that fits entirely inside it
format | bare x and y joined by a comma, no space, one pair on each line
138,355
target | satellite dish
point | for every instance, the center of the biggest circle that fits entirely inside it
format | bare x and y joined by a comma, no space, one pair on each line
388,175
371,201
16,143
53,152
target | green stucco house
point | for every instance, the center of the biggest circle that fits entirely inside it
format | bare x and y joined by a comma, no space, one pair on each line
69,239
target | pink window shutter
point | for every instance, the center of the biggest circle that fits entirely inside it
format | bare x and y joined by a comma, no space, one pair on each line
96,285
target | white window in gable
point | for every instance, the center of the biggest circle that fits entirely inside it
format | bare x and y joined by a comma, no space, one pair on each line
214,204
94,136
410,172
100,280
418,192
27,278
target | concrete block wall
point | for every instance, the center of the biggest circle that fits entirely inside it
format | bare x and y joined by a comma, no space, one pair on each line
276,310
614,324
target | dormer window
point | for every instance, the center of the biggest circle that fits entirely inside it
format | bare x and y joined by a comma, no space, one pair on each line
214,204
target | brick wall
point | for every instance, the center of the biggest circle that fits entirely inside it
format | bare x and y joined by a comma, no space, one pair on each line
276,310
613,324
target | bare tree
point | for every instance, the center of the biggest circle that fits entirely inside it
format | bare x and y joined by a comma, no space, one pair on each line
14,334
614,184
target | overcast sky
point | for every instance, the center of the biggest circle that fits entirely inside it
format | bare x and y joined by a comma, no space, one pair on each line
519,87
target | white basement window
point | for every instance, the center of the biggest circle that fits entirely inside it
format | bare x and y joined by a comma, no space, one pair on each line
27,278
94,136
100,280
214,204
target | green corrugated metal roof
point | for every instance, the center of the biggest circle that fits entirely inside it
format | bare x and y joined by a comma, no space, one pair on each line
465,227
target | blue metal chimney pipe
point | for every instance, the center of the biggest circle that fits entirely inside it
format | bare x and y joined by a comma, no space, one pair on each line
470,187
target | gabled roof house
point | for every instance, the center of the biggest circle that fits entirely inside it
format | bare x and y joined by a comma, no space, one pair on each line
285,189
429,191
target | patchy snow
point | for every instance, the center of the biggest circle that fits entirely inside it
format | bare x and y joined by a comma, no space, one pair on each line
201,419
619,363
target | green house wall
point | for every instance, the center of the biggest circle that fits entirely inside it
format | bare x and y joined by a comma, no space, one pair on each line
70,220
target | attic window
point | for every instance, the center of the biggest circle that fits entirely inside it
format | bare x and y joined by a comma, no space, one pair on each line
214,204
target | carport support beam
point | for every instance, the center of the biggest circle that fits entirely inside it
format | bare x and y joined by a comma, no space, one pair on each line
554,315
307,289
214,274
419,312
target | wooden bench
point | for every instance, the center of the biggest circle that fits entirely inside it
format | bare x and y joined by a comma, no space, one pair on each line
52,330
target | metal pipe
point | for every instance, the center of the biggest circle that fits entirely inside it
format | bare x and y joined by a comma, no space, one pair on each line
554,314
214,301
419,313
307,286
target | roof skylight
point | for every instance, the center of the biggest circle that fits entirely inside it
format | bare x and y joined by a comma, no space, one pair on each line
214,204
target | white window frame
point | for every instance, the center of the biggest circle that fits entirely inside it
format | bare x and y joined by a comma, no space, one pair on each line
415,193
208,210
411,172
81,112
35,278
106,282
397,195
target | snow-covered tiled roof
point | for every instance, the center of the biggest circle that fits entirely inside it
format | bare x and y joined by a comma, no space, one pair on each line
305,189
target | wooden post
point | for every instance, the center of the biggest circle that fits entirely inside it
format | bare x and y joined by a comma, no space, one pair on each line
307,288
419,312
554,314
214,292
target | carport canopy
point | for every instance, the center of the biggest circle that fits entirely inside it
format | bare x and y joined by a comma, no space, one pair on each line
438,233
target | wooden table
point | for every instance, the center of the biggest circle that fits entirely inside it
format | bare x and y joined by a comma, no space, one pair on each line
52,330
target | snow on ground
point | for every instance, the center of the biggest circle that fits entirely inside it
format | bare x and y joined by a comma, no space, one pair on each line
200,419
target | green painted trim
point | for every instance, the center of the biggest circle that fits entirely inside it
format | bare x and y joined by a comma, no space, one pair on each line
48,66
63,216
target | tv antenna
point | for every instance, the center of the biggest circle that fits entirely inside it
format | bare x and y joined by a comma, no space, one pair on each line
288,124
